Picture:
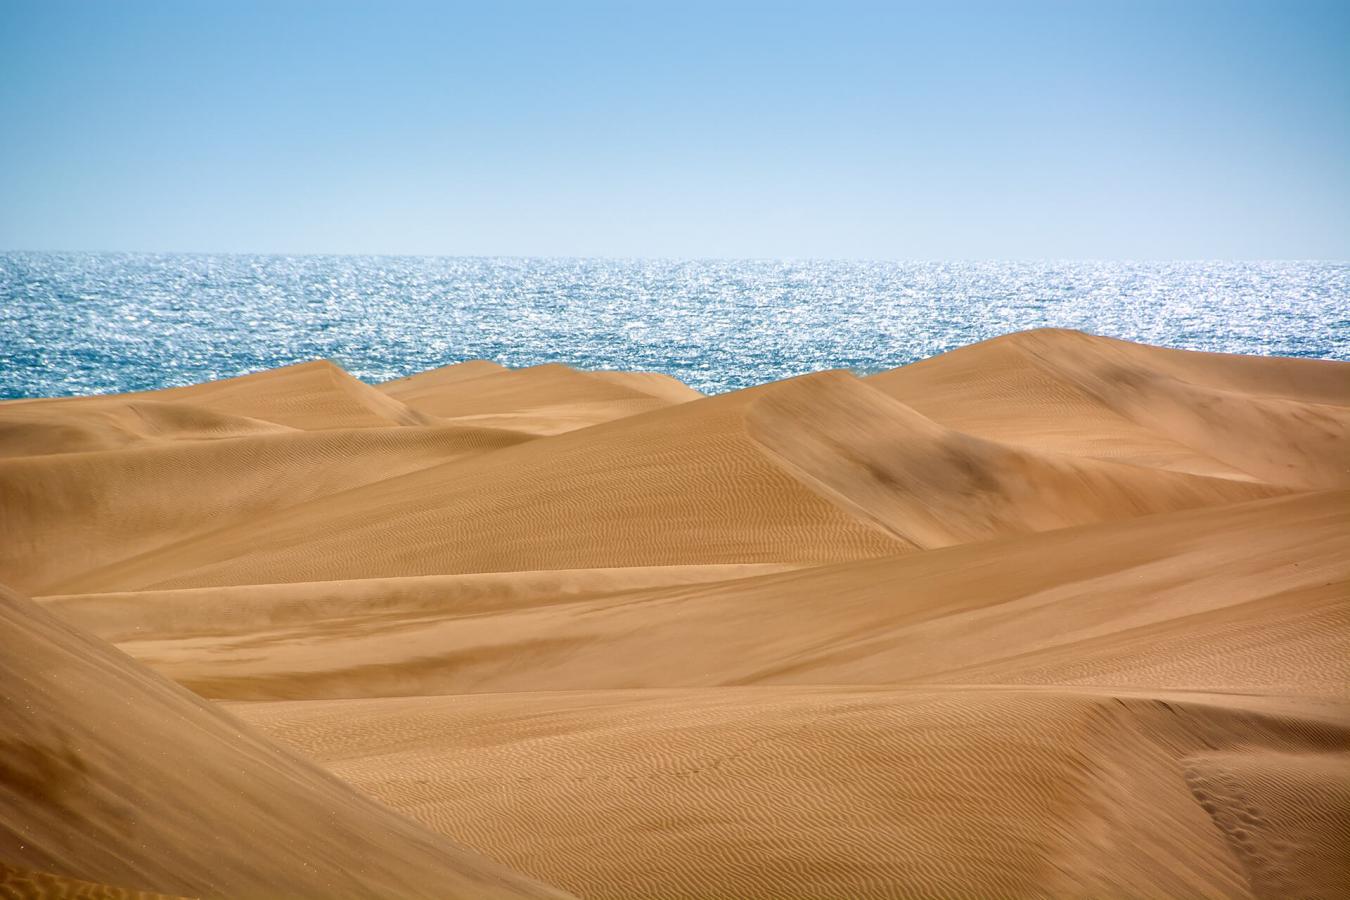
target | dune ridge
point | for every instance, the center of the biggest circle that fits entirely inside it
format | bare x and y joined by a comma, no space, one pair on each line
1051,615
540,400
1282,420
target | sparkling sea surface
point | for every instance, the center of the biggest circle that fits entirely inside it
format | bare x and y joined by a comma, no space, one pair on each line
92,323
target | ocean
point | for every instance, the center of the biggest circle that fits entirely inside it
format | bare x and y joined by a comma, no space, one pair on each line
82,323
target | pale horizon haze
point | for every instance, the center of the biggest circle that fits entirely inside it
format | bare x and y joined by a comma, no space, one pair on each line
882,131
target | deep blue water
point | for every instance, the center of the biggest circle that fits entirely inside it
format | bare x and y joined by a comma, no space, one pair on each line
90,323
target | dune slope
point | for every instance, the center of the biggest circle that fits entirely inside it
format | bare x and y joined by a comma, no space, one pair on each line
817,469
1286,421
313,395
540,400
38,428
1241,597
827,792
71,512
678,486
1051,615
426,385
934,487
111,774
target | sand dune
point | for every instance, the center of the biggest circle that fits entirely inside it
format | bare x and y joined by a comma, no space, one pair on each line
315,395
678,486
931,487
1285,421
541,400
36,428
816,469
825,792
1286,816
426,385
114,775
1221,406
310,395
1051,615
1267,582
655,384
242,610
67,513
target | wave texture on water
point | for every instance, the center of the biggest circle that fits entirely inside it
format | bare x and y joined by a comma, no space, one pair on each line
74,324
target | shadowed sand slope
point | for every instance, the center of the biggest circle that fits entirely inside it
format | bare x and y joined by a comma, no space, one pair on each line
110,774
1286,421
1051,615
934,487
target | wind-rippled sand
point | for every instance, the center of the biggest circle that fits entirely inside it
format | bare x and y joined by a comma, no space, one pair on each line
1051,615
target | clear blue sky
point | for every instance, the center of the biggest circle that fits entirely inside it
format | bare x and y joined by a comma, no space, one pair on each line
1091,129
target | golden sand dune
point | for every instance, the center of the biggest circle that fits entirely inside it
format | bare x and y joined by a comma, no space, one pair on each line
315,395
1286,816
655,384
68,513
310,395
930,486
231,641
682,485
38,427
1277,420
817,469
114,775
1052,615
1267,582
425,386
827,792
1282,420
541,400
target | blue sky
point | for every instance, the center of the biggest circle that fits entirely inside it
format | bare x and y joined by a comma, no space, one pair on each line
929,131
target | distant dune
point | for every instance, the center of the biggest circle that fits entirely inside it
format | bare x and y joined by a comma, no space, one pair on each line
1050,615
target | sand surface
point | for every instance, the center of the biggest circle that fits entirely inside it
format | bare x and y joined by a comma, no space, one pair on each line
1052,615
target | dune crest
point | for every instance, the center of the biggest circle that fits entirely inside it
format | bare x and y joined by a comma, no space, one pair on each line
1286,421
934,487
540,400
